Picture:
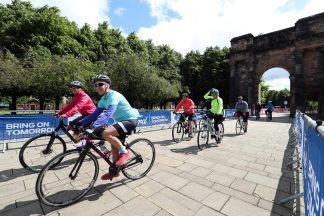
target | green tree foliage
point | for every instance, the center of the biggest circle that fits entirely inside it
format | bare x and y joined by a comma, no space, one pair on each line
201,72
43,51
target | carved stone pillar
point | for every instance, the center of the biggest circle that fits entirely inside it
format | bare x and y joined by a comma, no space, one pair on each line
321,80
297,85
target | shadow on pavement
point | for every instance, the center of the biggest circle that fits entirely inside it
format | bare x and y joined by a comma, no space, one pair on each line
35,207
289,177
10,174
275,119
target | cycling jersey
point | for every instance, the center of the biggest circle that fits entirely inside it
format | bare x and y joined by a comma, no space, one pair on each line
216,104
187,105
242,107
81,103
270,107
117,107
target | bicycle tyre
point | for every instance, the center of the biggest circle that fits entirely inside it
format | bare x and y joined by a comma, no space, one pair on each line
177,132
45,184
238,127
221,130
203,137
30,164
129,169
194,128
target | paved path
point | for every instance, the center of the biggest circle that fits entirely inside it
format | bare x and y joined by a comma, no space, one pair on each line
244,175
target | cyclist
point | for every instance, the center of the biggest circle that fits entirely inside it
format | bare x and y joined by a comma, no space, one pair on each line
188,107
216,111
257,110
81,103
270,109
242,109
125,117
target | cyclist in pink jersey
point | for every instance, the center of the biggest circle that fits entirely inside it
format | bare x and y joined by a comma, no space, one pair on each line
81,103
188,107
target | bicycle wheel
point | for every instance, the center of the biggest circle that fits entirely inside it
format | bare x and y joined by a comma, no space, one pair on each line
141,160
177,132
32,155
201,123
194,128
203,137
221,131
238,127
62,185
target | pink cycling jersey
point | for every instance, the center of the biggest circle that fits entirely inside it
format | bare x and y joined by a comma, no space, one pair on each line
81,103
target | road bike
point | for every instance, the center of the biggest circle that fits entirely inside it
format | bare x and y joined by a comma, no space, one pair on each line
69,176
240,126
207,130
181,127
257,115
38,150
268,116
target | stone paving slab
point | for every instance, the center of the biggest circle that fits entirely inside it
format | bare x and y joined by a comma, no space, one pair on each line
244,175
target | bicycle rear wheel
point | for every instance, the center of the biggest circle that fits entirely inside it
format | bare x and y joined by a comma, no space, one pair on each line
221,132
32,155
62,185
203,137
177,132
142,158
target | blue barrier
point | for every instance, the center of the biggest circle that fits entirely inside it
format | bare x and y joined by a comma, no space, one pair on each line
25,126
312,154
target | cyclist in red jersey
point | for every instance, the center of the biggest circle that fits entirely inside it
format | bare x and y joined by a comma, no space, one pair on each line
81,103
188,107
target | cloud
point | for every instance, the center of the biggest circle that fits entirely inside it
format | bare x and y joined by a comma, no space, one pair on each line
79,11
203,23
278,84
119,11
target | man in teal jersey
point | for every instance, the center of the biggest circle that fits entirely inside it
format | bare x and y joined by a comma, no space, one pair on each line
118,108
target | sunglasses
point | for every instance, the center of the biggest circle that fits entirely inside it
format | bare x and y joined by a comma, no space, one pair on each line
98,85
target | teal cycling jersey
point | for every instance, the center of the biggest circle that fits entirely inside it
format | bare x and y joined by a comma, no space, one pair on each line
124,111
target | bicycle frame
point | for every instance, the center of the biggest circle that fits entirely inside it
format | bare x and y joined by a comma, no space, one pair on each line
209,124
60,126
112,168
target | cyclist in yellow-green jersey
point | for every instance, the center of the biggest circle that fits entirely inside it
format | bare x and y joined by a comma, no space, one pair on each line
217,110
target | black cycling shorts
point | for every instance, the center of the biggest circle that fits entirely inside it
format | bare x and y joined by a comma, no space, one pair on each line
185,115
125,127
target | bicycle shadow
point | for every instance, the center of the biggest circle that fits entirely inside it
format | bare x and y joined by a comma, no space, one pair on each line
193,150
10,174
35,207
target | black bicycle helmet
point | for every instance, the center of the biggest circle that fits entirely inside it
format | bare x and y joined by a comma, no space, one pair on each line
185,95
76,83
102,78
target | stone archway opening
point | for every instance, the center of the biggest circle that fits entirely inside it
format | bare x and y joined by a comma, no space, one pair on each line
275,86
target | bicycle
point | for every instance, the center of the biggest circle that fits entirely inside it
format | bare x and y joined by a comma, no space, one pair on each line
181,127
240,126
38,150
68,177
268,116
206,130
257,115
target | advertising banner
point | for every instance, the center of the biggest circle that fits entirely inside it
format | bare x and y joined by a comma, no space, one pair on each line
312,151
25,126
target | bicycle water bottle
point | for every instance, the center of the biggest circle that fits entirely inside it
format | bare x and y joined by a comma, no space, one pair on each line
104,150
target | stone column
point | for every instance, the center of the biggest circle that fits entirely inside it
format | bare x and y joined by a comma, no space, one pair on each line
297,85
321,86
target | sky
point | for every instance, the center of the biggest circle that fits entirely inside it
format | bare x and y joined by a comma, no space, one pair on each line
187,25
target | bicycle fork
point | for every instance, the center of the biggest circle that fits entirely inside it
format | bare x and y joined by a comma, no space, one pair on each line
74,172
48,148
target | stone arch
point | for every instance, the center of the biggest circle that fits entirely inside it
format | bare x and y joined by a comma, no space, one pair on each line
299,50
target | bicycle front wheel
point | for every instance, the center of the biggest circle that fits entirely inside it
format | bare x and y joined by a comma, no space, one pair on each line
69,181
142,158
221,130
33,155
177,132
203,137
238,127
